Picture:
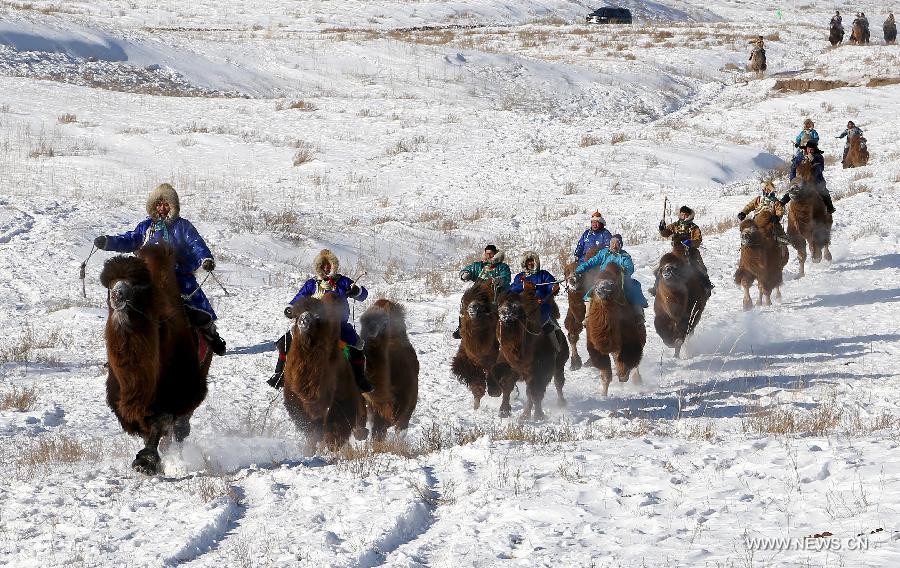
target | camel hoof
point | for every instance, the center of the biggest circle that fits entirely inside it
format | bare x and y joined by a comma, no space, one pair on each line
182,429
505,412
146,462
748,306
360,433
494,390
575,364
476,403
828,255
539,416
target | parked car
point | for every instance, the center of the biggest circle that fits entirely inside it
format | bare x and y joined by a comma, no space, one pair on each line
609,16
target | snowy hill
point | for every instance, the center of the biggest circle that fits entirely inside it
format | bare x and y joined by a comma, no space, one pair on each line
404,136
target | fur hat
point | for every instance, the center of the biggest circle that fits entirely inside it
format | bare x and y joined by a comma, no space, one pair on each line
492,248
808,123
596,216
498,257
689,211
531,255
319,263
618,237
167,193
768,186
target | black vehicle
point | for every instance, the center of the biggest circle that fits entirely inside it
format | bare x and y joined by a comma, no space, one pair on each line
609,16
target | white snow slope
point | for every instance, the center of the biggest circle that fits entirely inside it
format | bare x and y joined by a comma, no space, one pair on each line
291,126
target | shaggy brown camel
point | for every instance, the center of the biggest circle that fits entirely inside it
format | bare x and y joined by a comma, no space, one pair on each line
391,366
680,298
477,354
808,219
320,393
835,33
757,61
157,364
762,259
574,322
613,328
526,352
857,152
859,35
890,29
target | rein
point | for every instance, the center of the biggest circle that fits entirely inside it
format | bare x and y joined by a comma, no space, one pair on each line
82,271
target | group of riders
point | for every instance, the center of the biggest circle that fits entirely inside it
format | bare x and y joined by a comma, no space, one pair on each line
861,20
164,225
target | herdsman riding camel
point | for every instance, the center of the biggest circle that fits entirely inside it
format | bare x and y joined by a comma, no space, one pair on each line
331,282
165,225
814,155
617,255
767,200
595,237
686,233
808,133
546,287
848,133
490,267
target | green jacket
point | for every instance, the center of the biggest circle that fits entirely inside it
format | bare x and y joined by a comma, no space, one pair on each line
498,270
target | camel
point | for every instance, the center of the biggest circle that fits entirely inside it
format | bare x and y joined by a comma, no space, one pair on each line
391,366
320,393
762,259
527,353
808,219
859,35
757,61
680,298
890,31
577,308
613,328
835,33
157,362
477,354
857,152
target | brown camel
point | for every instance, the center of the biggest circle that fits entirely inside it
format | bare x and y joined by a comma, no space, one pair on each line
574,322
808,219
157,362
762,259
757,61
857,152
526,352
890,30
477,354
320,394
835,33
613,328
859,35
391,366
680,298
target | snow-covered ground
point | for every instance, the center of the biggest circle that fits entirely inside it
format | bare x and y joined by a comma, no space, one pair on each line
290,126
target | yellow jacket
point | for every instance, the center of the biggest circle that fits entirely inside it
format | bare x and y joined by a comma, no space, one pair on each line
682,230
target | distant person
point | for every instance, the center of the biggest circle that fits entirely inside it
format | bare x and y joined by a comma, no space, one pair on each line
848,133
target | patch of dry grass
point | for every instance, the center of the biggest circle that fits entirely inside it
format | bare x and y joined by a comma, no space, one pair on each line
781,420
21,399
66,118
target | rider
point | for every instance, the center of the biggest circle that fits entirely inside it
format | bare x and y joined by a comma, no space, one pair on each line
491,266
808,133
616,254
768,200
685,232
759,44
546,287
851,131
595,237
836,19
329,281
163,224
814,155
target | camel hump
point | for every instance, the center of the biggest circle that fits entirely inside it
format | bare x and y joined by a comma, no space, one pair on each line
160,258
126,268
394,309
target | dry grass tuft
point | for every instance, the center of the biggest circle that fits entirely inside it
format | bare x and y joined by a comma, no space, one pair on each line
305,153
21,399
618,138
296,105
588,140
882,81
66,118
788,421
806,85
59,448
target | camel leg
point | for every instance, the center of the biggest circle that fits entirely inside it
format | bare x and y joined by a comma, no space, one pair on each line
759,289
379,427
505,406
748,301
678,344
526,412
575,362
826,253
778,293
559,379
478,388
147,460
182,427
605,374
636,376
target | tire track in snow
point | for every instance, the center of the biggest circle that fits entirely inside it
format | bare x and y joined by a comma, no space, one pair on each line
419,518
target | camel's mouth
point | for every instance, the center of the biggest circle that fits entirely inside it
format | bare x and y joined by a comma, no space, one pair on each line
605,289
507,314
669,272
120,294
475,310
306,321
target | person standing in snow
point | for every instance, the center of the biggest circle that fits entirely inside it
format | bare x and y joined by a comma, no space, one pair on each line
595,237
164,225
328,281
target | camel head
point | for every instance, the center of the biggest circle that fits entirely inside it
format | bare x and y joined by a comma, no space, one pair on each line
669,272
605,289
478,300
373,324
130,287
316,321
511,309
